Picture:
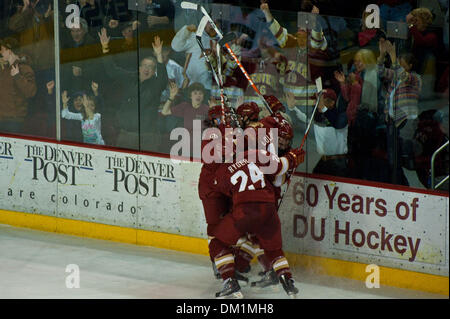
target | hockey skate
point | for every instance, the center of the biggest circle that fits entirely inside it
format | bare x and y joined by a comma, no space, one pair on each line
288,286
216,272
269,279
231,290
243,280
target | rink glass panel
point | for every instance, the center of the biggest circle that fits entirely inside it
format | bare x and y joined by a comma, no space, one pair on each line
30,113
131,116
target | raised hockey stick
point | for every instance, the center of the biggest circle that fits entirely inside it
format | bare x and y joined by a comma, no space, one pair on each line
310,121
194,6
217,77
305,136
319,90
255,88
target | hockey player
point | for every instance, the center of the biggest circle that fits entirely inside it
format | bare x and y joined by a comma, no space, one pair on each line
254,212
249,246
248,114
215,204
275,105
276,120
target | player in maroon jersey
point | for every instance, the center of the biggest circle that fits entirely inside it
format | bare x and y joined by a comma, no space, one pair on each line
248,113
253,212
215,204
261,132
249,247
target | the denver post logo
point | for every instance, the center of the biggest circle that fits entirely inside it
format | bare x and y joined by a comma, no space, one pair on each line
5,150
57,165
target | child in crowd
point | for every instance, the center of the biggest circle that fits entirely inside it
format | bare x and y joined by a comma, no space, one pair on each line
90,121
194,109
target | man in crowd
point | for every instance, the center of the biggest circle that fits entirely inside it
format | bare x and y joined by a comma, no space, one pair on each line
18,85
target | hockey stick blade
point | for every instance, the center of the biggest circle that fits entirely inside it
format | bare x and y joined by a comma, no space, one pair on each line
201,26
189,5
227,38
220,36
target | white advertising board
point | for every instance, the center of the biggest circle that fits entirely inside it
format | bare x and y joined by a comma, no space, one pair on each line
389,227
102,186
367,224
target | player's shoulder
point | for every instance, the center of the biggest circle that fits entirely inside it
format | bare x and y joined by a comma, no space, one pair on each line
258,124
269,121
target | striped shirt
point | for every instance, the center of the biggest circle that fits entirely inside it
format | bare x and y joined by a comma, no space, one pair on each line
403,93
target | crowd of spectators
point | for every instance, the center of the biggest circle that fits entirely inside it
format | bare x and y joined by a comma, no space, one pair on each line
131,71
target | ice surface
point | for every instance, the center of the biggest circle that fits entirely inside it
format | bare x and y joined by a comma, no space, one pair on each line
33,265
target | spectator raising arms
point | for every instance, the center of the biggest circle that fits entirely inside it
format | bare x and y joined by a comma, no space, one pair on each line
405,84
195,109
196,68
424,47
91,11
351,92
137,109
296,80
78,58
331,137
91,125
401,105
33,23
18,85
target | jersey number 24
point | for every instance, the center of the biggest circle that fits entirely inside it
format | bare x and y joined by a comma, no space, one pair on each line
255,175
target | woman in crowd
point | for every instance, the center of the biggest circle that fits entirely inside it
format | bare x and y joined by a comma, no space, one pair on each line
401,105
367,148
424,47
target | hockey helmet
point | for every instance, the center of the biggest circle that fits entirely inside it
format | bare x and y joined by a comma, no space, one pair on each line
251,110
285,131
216,112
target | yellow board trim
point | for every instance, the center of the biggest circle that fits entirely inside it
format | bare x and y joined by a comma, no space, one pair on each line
388,276
321,265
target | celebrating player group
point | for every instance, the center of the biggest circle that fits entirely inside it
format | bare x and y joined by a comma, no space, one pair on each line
241,188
